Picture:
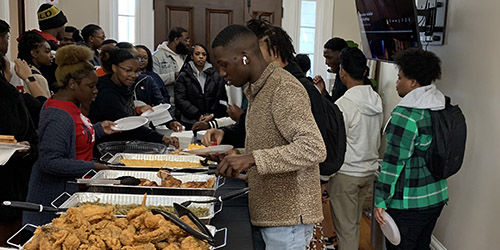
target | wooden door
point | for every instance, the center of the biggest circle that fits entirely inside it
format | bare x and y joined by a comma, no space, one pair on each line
270,10
204,19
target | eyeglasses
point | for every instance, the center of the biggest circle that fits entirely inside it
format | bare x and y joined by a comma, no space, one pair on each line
129,71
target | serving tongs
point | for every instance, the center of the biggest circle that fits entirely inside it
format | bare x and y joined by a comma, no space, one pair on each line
122,180
227,196
203,235
28,206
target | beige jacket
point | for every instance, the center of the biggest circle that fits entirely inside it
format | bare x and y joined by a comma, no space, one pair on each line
287,146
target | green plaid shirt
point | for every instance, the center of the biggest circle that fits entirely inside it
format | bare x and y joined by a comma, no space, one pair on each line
404,181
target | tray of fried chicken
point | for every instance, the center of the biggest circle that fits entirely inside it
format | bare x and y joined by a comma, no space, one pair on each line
123,203
96,227
162,182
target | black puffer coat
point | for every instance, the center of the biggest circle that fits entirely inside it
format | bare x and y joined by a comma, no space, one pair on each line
192,102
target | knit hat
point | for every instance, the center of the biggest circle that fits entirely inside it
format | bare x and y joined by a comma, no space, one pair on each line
49,17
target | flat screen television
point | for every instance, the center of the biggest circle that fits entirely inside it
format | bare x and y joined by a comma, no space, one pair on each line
387,27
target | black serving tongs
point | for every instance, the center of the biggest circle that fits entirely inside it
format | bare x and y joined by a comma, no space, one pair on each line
28,206
227,196
204,235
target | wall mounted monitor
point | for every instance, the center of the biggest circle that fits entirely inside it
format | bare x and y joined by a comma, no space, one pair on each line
387,27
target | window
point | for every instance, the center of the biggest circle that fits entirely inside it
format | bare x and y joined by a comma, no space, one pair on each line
307,30
126,20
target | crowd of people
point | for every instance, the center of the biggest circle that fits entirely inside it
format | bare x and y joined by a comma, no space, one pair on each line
66,87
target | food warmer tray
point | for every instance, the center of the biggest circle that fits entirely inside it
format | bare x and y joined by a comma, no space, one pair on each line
115,160
211,228
152,176
126,199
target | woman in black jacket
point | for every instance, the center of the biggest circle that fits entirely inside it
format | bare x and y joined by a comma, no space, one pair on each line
199,89
115,99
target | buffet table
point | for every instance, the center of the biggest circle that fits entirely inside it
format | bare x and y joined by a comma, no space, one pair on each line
235,217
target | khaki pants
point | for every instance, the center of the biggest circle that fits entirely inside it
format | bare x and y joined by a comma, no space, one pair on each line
347,195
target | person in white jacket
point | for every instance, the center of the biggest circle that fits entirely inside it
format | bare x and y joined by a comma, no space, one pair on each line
169,58
352,184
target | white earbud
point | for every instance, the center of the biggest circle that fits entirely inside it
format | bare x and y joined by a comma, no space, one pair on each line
245,60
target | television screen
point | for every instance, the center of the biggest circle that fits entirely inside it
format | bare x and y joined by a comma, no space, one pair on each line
387,27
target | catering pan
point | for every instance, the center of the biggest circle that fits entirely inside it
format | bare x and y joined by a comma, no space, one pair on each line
128,199
32,227
152,176
139,147
115,161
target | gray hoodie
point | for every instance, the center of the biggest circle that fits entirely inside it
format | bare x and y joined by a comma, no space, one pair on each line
363,118
426,97
165,63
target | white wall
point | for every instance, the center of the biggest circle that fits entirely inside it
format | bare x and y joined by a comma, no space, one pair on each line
470,77
80,13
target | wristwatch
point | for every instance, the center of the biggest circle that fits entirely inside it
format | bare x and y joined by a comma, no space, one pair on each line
30,79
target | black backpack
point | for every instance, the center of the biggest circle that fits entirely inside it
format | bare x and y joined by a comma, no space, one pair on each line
449,132
334,137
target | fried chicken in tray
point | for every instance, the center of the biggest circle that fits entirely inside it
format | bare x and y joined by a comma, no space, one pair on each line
167,180
92,227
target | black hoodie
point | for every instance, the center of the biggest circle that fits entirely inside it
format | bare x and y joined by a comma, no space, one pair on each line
114,102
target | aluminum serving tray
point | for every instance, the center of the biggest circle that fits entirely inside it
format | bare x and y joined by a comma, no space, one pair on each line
126,199
211,228
152,176
155,157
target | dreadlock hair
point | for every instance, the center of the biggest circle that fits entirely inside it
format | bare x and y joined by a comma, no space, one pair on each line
336,44
149,66
353,61
28,41
72,63
89,30
423,66
277,40
175,32
4,27
230,34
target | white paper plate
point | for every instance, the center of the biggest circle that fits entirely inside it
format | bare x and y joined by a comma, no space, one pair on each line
211,149
13,146
390,230
129,123
158,110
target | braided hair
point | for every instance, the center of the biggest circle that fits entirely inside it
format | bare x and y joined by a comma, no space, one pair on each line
29,41
276,39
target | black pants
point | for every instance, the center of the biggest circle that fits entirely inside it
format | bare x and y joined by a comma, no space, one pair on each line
415,227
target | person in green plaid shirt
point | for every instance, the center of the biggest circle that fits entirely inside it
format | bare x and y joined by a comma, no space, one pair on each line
405,187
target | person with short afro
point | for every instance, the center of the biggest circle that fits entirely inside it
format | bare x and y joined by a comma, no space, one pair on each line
406,189
67,137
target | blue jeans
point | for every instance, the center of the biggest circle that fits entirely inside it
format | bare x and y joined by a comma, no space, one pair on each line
295,237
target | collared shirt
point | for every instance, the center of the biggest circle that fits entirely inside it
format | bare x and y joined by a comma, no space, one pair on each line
404,181
84,131
200,76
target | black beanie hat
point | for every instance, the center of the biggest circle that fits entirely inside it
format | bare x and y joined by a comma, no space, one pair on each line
49,17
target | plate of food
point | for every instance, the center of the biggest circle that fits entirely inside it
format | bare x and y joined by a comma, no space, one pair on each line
199,150
129,123
157,110
10,142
